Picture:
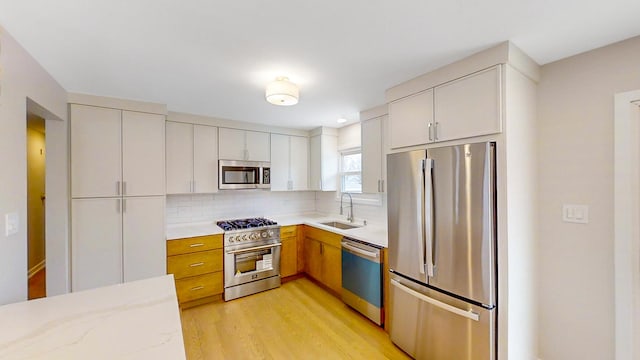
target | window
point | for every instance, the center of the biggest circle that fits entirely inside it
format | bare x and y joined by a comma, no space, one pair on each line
351,171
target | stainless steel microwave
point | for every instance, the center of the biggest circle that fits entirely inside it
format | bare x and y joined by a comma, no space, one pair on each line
234,174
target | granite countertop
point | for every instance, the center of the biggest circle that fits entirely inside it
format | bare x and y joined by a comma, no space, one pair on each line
135,320
372,233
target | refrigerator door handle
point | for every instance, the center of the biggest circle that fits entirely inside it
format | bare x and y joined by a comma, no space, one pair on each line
429,217
452,309
420,198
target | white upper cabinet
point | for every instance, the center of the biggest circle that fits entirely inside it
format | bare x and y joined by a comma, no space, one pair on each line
299,163
466,107
279,162
179,158
470,106
116,153
243,145
96,167
410,119
192,158
373,155
289,163
143,149
205,159
323,171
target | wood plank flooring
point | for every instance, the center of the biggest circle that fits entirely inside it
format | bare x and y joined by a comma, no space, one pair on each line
37,285
299,320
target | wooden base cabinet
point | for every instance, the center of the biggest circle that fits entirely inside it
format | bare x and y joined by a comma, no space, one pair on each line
289,251
323,257
197,266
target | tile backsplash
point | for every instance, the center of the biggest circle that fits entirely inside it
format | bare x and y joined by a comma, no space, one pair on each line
237,204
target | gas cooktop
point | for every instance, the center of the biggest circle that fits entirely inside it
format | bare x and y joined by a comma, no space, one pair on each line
238,224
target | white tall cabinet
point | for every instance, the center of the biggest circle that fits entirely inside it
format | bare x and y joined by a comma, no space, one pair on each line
289,163
237,144
192,158
117,189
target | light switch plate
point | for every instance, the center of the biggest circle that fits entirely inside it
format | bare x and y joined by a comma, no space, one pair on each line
12,223
575,213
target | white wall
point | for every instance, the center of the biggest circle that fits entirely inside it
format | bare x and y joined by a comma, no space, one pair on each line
237,204
575,166
22,77
327,203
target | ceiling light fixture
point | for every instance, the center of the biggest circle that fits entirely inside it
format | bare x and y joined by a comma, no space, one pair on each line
341,121
282,92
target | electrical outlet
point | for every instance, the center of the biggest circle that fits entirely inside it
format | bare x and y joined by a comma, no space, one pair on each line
12,223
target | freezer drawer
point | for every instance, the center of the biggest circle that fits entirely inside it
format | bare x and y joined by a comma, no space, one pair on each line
429,325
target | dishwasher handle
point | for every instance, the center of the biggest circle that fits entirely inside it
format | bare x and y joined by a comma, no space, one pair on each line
350,247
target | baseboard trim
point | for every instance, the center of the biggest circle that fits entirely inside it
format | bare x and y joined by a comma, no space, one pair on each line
34,270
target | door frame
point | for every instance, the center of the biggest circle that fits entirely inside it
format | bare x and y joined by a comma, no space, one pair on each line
627,224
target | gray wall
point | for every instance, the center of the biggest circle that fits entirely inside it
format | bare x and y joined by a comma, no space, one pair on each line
575,166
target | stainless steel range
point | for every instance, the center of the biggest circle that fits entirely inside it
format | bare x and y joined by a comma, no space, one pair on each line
251,256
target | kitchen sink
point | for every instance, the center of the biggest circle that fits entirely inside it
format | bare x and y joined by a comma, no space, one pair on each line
340,225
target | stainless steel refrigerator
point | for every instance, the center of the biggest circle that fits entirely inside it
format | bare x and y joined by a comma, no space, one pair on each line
442,252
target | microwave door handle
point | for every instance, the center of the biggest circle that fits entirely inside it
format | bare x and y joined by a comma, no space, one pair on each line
429,215
420,216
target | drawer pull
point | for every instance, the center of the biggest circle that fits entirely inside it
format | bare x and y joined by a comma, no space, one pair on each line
196,245
197,264
197,288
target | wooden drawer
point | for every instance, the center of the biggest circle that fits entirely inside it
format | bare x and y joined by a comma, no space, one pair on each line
326,237
199,263
194,244
288,231
197,287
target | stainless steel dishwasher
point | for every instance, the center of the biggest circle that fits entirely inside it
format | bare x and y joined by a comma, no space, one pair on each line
362,278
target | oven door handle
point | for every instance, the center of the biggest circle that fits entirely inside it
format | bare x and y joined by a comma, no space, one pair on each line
253,248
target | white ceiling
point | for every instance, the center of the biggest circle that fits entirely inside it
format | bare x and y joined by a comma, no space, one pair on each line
215,57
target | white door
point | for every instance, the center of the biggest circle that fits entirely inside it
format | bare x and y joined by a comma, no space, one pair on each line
258,148
205,159
96,168
372,155
179,154
409,120
280,162
299,163
144,240
231,144
96,243
470,106
143,153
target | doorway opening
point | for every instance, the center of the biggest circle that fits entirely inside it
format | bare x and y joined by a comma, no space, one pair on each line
627,224
36,219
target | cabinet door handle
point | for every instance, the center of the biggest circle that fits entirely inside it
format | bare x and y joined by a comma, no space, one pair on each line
124,206
197,288
430,132
436,130
124,188
194,186
197,264
196,245
382,185
117,187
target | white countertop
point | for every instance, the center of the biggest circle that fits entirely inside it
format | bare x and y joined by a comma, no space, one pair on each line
136,320
375,234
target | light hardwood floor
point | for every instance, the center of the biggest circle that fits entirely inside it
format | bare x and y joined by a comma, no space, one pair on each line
299,320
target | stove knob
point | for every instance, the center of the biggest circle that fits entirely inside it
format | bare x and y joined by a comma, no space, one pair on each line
270,232
244,237
255,236
264,234
231,239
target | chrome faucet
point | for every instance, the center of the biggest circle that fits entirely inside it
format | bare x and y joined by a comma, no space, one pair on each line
350,216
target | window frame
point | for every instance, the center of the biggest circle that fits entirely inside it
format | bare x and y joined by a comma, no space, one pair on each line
358,197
